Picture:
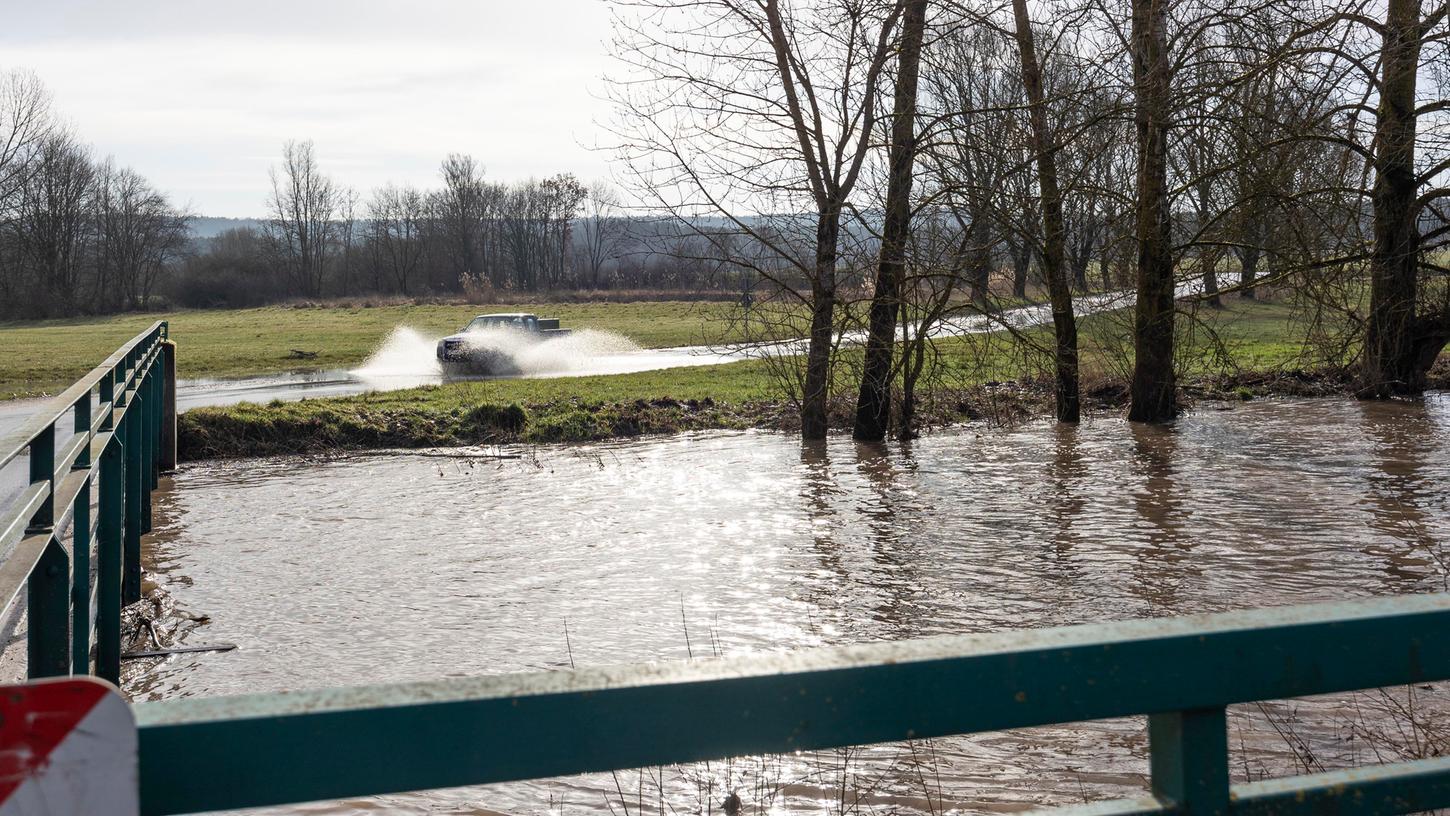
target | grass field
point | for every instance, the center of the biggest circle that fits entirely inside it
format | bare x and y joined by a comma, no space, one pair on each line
42,357
1255,337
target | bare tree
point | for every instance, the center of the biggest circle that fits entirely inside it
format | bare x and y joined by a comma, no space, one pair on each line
347,235
1054,230
137,233
395,230
460,207
51,226
766,107
873,405
1403,336
303,207
25,122
1154,383
601,230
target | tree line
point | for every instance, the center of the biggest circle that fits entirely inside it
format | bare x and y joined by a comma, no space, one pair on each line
85,235
78,234
468,236
929,157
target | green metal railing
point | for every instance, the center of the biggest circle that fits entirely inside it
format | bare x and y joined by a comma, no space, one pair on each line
116,414
247,751
234,752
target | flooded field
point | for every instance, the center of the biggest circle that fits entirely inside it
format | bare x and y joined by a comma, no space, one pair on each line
384,568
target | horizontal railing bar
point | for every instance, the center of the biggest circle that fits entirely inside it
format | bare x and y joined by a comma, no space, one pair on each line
12,445
66,489
1406,787
1143,806
248,751
99,441
12,527
65,459
98,419
21,510
18,564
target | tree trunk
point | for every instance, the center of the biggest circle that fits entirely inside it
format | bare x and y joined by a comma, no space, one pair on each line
1054,231
1153,388
980,275
1249,256
873,406
1208,255
1209,260
914,360
823,314
1391,360
1021,264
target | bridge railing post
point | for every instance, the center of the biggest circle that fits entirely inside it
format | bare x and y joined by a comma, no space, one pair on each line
81,547
110,534
147,406
42,469
1189,760
134,442
168,406
48,646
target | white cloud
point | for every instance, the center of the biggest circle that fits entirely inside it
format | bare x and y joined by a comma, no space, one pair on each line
201,102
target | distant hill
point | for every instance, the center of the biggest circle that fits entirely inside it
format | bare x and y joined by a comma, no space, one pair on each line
205,226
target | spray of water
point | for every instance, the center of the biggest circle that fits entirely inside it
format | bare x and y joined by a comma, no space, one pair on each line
409,357
576,351
405,354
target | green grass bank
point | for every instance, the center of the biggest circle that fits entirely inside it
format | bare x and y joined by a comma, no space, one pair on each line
1241,352
44,357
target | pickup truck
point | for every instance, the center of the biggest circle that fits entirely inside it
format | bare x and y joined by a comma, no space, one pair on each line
487,345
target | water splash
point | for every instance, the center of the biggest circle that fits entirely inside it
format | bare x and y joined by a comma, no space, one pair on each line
408,357
522,354
577,351
404,359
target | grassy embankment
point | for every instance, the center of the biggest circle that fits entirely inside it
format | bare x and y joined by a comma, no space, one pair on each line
43,357
979,379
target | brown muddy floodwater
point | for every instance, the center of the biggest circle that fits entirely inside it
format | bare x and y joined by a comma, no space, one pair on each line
374,569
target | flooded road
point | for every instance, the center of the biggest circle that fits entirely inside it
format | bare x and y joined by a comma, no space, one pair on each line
730,543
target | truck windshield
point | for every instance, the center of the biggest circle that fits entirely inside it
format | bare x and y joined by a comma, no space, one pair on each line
495,322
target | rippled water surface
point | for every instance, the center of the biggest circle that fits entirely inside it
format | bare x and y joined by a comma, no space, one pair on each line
387,568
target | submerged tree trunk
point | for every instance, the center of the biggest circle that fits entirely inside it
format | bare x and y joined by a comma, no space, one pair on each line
1395,346
1059,290
873,406
1153,388
823,317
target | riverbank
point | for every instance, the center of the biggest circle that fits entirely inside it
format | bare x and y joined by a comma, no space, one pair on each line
447,417
1251,349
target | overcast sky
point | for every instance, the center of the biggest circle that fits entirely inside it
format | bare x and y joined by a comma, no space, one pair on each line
200,96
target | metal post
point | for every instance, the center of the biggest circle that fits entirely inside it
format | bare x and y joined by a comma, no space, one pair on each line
48,614
107,397
135,443
81,549
42,469
147,406
168,406
1189,760
157,411
108,561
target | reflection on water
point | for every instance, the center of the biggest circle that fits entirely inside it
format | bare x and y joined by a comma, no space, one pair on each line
391,568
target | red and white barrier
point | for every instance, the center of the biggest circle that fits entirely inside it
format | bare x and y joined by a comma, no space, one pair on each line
67,746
